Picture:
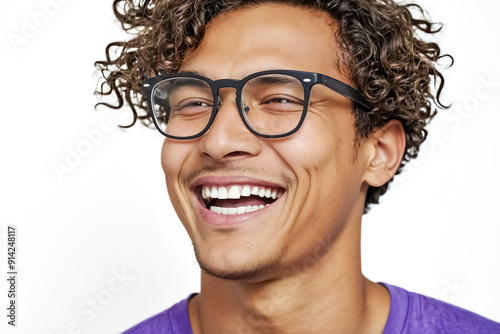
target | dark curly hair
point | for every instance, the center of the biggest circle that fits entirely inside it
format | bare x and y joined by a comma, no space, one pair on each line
380,43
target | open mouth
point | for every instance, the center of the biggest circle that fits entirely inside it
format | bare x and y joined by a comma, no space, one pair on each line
237,199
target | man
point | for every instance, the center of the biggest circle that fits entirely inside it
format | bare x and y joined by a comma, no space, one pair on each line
284,121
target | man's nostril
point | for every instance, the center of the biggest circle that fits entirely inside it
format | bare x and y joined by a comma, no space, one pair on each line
235,154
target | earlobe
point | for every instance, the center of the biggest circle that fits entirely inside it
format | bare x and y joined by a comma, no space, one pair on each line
388,146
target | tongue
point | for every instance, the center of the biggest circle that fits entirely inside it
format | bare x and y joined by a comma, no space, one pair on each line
243,201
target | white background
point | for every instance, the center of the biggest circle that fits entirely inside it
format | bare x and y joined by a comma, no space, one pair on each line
436,233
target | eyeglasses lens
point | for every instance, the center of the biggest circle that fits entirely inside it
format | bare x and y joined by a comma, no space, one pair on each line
272,104
182,106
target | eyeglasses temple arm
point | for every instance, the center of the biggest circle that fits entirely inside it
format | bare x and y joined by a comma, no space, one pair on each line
344,90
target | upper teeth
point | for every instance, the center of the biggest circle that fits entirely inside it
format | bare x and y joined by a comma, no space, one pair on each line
237,191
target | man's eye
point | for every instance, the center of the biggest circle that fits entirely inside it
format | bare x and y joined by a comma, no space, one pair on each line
280,100
194,104
277,104
192,107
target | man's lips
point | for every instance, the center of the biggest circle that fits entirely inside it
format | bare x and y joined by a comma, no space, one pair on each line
235,195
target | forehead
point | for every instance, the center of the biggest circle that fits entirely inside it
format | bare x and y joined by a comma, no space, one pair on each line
266,36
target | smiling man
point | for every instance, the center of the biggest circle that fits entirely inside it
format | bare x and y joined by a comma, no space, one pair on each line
283,122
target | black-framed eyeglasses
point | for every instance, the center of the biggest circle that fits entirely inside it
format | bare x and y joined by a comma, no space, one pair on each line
272,104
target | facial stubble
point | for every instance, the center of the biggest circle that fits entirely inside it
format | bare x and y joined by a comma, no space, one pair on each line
253,270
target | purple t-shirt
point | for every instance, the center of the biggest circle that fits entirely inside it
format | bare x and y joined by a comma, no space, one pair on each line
413,313
410,313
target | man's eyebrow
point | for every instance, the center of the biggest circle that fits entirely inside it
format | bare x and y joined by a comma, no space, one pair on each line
275,79
201,74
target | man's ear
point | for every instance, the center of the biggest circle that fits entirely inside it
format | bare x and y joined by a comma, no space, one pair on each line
387,146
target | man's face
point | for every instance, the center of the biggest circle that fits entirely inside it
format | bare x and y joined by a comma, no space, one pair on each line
315,170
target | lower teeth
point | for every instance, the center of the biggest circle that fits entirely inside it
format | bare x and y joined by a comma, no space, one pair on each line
236,211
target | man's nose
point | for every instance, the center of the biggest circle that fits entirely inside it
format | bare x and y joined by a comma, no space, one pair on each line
228,138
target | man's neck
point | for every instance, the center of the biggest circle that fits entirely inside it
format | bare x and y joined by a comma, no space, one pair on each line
329,296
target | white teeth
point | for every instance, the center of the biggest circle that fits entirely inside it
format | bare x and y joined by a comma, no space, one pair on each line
245,191
214,192
222,193
255,191
234,192
236,211
238,191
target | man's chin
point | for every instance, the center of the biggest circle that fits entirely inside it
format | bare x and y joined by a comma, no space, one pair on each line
250,274
247,272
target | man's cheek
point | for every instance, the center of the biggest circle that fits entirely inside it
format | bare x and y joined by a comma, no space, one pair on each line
172,160
306,148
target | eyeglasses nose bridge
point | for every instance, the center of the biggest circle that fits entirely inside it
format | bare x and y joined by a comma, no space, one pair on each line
224,83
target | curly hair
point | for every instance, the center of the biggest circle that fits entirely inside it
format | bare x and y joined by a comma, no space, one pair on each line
381,50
